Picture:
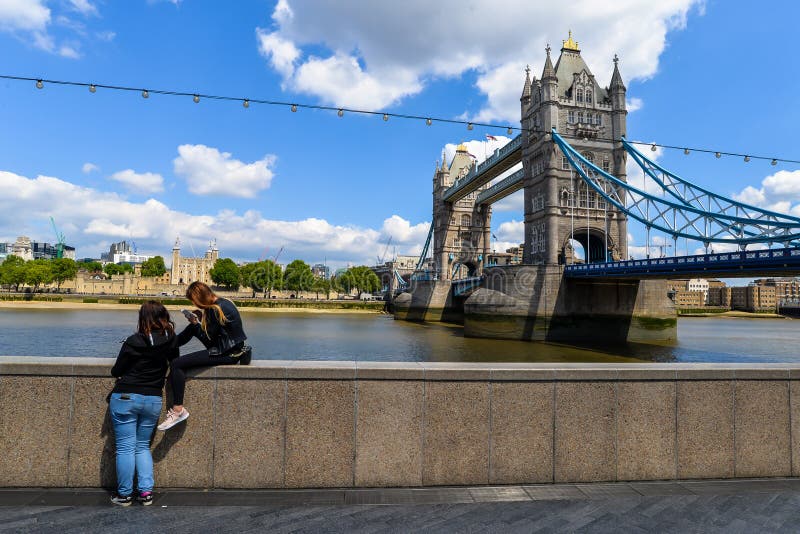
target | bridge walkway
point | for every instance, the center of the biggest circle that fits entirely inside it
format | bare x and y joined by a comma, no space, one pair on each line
771,505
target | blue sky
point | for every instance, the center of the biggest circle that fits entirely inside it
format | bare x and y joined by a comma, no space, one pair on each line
111,165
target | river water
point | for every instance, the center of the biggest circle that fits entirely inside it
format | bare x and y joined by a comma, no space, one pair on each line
368,337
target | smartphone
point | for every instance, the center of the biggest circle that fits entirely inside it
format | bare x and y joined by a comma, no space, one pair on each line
189,315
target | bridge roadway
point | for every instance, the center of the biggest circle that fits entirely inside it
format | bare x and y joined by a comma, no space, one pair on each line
500,161
747,264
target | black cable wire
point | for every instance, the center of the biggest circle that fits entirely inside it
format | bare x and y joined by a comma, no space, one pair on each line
428,119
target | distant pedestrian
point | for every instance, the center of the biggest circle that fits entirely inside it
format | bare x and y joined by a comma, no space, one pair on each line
135,401
219,328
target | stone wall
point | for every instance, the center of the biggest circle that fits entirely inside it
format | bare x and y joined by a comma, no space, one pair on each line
344,424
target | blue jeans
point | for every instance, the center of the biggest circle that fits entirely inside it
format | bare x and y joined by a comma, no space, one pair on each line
134,417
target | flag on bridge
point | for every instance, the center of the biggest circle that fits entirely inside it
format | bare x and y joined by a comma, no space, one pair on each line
491,137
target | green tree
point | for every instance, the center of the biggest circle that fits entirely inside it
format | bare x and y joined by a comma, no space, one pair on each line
38,272
154,267
321,285
91,266
112,268
262,276
13,272
360,278
298,276
63,269
226,273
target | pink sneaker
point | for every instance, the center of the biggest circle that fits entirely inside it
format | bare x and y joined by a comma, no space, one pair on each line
173,419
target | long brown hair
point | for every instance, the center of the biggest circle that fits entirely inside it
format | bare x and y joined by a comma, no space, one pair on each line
205,299
154,317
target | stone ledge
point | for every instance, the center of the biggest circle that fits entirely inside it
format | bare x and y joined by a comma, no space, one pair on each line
431,371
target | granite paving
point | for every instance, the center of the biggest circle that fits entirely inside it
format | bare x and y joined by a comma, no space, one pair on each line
771,505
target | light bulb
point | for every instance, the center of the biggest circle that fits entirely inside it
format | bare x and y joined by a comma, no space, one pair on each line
686,151
746,159
774,162
92,88
196,99
385,117
340,112
428,122
469,126
294,108
653,147
717,155
39,84
145,94
246,103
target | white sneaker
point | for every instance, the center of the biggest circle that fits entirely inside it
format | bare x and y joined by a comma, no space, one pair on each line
173,419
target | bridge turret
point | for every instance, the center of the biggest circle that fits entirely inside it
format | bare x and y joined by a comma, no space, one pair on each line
525,99
618,110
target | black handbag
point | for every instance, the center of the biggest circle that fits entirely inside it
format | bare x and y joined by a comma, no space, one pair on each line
223,344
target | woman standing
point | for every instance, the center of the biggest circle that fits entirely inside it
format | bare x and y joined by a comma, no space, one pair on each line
135,401
220,330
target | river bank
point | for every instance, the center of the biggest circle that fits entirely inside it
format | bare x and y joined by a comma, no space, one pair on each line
735,314
324,307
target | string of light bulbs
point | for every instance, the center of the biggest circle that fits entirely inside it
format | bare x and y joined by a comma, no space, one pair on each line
340,111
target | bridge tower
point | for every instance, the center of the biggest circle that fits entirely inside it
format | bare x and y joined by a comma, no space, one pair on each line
558,204
462,231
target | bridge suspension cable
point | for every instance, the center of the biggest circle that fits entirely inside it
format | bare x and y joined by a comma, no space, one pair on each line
682,209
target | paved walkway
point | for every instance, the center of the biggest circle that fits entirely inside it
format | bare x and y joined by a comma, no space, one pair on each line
703,506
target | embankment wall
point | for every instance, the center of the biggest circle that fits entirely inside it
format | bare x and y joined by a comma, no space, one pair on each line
366,424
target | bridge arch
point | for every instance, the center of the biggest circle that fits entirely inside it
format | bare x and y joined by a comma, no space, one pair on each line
597,246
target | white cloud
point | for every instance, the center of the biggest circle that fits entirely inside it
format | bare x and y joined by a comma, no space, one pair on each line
374,54
513,202
778,192
145,183
634,104
84,7
26,15
210,172
92,218
89,167
511,231
69,52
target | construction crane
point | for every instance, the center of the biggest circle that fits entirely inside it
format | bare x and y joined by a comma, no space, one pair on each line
383,256
263,254
60,240
661,249
275,259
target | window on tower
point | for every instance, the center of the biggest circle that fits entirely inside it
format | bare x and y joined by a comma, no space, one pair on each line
579,95
580,117
466,220
571,117
588,97
564,163
597,119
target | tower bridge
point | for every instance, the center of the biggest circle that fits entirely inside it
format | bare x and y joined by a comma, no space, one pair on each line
573,151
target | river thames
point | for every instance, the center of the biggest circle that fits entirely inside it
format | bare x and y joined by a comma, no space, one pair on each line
368,337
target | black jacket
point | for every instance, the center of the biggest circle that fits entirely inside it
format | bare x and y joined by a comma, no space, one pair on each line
233,325
141,365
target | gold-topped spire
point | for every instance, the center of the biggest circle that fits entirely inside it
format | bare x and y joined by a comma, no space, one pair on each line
570,44
462,148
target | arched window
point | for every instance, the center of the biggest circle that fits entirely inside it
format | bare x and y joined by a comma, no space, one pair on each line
579,95
588,97
466,220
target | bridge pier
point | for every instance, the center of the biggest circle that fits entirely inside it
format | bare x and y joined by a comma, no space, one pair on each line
431,301
536,302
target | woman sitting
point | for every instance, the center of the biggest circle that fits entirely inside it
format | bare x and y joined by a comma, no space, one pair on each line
219,328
